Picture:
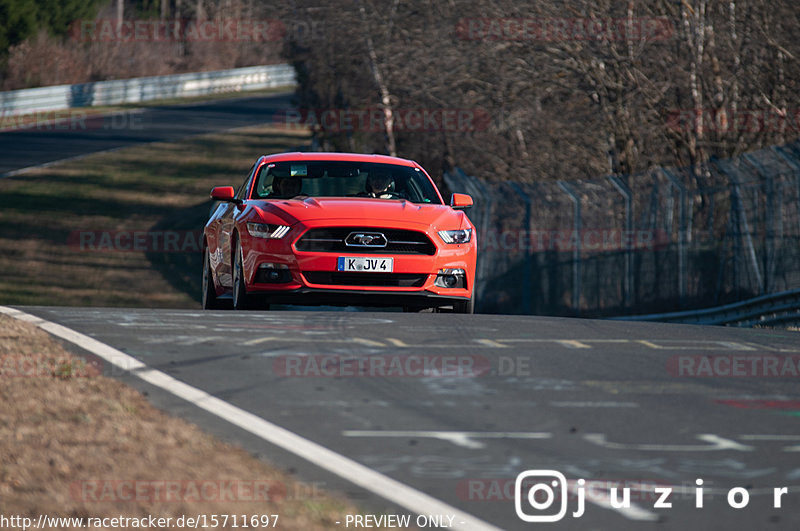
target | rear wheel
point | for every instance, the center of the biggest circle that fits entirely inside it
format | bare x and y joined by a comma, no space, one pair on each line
210,300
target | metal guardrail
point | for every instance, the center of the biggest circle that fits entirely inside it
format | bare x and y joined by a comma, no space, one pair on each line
774,309
136,90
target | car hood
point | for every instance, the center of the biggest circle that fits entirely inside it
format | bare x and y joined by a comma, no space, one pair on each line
361,211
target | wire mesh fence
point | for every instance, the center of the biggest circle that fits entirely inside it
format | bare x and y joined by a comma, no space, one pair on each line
666,240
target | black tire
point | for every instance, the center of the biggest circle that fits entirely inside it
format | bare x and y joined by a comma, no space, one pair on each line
464,307
241,300
209,296
418,309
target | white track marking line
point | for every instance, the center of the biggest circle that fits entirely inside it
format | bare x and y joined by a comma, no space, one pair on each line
259,341
490,343
459,438
285,339
572,343
715,442
784,438
569,343
397,342
354,472
764,437
367,342
680,344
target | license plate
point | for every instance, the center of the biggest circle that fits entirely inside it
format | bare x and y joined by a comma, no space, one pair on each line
365,265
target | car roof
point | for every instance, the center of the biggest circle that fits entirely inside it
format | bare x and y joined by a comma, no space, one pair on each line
341,157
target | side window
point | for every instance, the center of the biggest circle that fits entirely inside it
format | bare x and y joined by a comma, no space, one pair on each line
243,188
264,182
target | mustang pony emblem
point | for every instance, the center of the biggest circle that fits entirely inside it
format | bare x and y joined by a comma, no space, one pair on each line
365,239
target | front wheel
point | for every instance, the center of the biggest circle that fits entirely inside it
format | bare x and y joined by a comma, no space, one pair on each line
241,300
464,307
419,309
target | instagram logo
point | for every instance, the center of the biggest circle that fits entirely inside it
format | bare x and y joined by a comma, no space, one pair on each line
535,493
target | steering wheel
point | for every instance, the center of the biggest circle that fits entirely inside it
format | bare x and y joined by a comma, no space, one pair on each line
390,195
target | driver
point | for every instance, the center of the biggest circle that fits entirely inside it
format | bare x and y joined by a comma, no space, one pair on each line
286,187
380,185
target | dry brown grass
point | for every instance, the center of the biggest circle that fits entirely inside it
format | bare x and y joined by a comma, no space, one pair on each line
63,436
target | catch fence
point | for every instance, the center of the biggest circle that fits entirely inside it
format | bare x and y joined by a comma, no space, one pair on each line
666,240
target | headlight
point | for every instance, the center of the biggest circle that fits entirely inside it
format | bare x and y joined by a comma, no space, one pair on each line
264,230
456,236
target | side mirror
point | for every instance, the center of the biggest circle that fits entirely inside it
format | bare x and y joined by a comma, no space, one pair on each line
223,193
460,201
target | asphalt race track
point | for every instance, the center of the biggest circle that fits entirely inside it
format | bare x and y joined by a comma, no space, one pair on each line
48,143
457,405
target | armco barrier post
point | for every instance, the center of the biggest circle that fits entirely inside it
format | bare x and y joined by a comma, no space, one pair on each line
526,273
744,225
623,189
682,235
576,252
770,249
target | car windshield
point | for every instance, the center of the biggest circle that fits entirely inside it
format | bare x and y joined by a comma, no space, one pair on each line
285,180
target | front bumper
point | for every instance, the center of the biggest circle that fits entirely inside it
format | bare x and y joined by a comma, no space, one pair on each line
357,297
411,282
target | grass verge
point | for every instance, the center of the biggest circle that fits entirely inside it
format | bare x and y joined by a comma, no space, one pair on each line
67,231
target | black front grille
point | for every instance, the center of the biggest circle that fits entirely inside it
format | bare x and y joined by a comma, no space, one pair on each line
332,240
397,280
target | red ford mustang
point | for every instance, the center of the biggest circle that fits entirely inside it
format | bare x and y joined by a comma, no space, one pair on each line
339,229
